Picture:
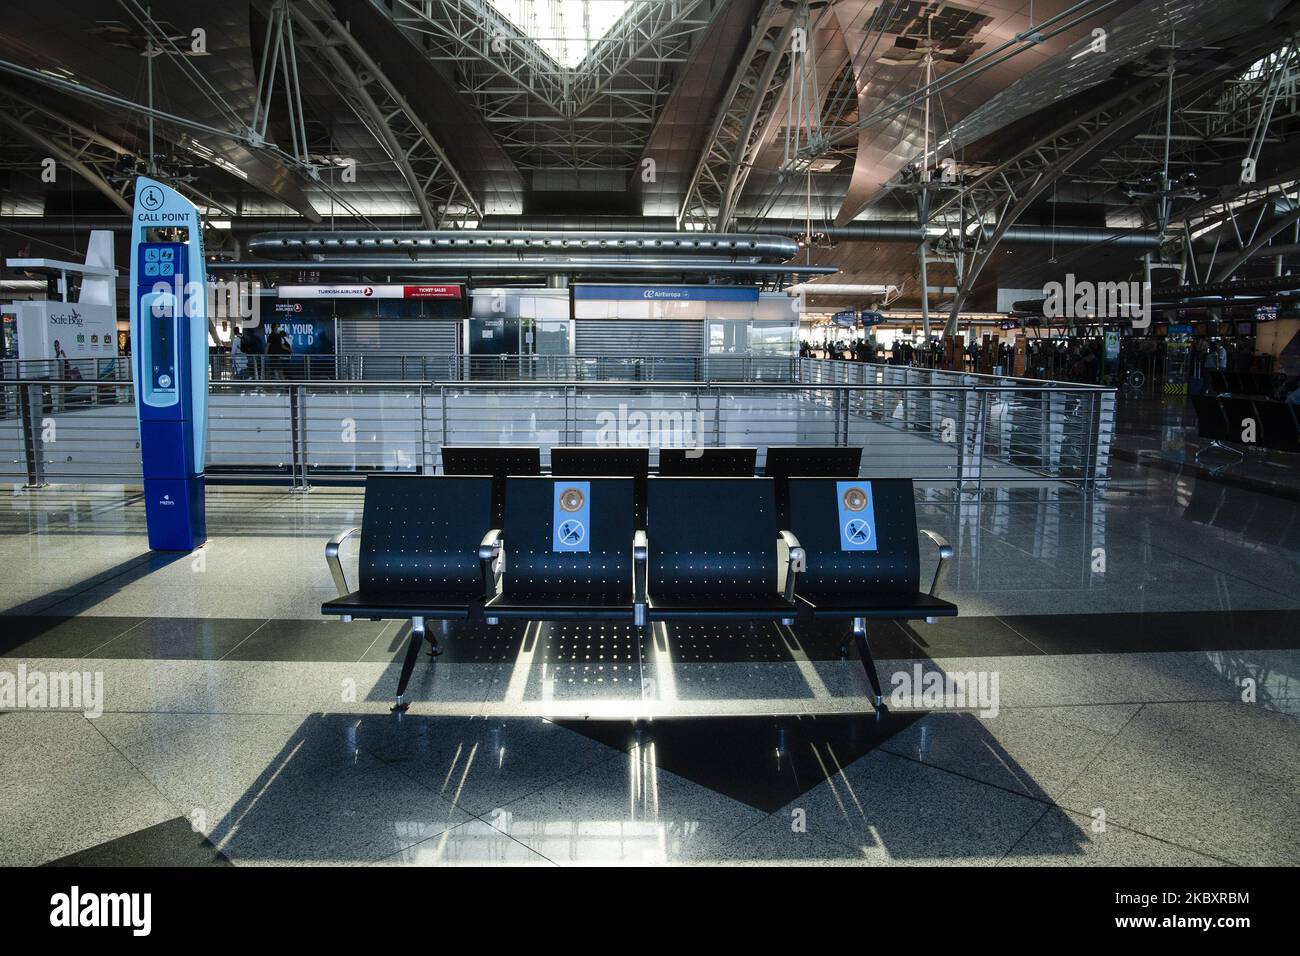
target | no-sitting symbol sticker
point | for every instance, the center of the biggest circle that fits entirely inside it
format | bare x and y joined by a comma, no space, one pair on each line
571,517
857,514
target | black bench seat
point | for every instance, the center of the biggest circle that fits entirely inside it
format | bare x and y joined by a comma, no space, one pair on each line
419,557
381,604
913,606
542,580
862,556
713,551
570,549
747,605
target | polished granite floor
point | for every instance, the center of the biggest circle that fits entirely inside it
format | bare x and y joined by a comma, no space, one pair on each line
1143,645
1161,432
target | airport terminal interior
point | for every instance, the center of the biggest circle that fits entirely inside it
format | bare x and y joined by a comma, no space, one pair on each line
650,433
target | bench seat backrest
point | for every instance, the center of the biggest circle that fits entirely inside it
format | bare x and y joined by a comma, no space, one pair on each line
631,463
532,562
1210,422
499,462
708,462
811,461
1277,426
421,533
817,512
808,461
712,535
1237,410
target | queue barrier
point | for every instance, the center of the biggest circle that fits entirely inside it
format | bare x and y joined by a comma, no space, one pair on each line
571,549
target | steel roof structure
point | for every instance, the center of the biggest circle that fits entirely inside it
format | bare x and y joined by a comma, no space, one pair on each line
940,149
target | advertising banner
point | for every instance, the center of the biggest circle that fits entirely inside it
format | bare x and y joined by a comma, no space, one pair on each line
52,330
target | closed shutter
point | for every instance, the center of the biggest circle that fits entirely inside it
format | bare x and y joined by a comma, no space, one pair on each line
380,341
644,338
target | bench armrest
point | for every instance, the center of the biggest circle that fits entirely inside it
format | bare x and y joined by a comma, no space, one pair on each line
640,575
795,558
489,554
332,558
489,548
945,554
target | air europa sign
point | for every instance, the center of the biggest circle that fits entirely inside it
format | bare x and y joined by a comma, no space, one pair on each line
672,293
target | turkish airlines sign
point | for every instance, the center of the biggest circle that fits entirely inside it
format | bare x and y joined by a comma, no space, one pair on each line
369,292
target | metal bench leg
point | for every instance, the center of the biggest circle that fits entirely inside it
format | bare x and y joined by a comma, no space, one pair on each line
1215,443
408,665
435,646
868,663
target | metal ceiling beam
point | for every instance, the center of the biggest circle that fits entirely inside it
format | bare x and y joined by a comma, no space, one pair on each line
618,90
1066,20
435,184
720,171
1257,245
564,264
241,137
640,33
99,153
70,155
1039,166
1018,197
472,32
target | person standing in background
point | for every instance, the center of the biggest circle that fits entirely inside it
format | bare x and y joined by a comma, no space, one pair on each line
238,360
253,346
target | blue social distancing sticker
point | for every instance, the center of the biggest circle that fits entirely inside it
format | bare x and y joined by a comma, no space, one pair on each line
857,511
571,518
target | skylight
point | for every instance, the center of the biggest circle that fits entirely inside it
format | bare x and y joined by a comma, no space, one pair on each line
565,30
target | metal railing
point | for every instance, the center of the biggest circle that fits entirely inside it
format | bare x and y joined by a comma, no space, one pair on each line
402,367
929,425
88,370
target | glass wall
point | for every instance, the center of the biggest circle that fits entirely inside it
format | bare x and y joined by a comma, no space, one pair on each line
768,327
519,321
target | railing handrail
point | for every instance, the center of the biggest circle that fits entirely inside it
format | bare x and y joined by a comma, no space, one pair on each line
363,384
941,430
121,362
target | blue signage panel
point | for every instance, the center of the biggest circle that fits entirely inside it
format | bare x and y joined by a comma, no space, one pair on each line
670,293
857,509
847,318
169,332
872,317
571,517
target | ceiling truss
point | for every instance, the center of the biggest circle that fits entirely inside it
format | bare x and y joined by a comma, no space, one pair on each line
597,117
438,189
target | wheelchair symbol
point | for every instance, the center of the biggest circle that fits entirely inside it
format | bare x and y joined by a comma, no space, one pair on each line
857,531
571,532
151,198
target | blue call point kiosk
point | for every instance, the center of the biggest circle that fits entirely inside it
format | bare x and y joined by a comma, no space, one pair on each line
169,345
